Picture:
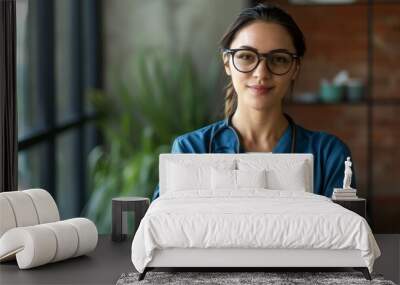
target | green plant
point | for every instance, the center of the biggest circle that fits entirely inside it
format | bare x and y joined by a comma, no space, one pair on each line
161,97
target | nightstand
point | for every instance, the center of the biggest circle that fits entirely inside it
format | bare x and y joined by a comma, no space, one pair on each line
357,205
120,207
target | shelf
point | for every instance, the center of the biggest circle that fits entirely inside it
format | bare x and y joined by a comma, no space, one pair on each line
385,102
374,102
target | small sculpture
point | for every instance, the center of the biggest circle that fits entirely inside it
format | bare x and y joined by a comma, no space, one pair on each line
347,192
347,174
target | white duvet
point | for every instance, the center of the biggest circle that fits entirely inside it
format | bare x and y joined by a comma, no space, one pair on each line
253,218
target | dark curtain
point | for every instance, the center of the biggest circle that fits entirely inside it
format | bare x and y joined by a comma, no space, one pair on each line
8,101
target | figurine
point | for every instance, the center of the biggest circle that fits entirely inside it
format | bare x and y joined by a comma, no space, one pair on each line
347,174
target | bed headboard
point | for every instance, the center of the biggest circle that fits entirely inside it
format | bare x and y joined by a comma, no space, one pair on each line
281,163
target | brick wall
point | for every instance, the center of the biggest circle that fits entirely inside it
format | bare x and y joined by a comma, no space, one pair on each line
337,39
386,51
386,121
347,123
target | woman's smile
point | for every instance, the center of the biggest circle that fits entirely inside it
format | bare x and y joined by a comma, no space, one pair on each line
258,89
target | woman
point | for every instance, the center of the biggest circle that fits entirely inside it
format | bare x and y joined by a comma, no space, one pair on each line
262,53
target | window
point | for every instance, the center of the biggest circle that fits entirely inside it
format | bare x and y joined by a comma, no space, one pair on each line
57,63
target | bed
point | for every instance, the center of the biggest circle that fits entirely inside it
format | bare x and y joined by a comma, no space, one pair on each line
245,211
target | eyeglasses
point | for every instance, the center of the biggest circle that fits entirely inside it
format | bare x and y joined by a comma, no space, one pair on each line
279,62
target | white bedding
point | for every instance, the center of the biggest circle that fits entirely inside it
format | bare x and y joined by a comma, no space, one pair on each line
251,218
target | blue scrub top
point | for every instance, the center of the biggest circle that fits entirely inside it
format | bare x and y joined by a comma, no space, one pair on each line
328,150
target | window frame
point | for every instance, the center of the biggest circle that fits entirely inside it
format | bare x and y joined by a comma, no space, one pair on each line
8,101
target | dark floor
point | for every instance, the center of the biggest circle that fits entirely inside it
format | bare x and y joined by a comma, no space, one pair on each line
389,262
103,266
110,260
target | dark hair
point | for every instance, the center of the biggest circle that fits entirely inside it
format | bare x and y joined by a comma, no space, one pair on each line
265,12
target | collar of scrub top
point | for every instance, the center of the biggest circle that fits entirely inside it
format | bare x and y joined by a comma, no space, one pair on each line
286,144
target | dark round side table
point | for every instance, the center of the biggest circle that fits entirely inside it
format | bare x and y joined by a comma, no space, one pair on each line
120,206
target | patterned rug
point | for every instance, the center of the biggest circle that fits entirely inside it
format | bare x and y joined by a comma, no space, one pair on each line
229,278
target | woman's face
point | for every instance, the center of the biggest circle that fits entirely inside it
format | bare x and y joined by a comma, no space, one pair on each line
260,89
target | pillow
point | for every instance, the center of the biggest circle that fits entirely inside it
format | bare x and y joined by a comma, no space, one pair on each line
251,178
181,178
294,178
281,174
236,179
223,179
184,175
